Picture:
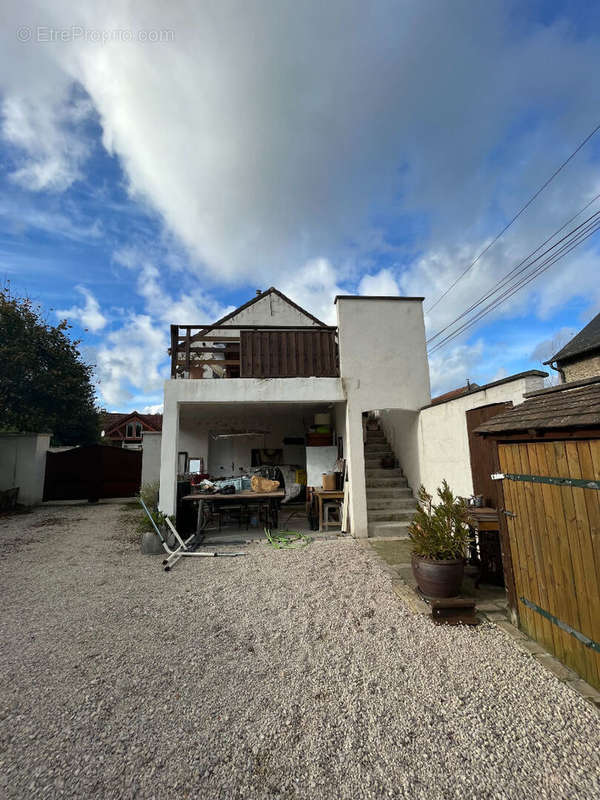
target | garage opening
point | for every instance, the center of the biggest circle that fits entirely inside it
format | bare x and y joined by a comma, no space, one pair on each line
222,447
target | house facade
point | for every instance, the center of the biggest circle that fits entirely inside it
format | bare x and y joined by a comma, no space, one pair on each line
580,358
126,430
256,380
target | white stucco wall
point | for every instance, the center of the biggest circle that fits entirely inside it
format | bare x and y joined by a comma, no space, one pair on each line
151,441
434,444
383,364
23,464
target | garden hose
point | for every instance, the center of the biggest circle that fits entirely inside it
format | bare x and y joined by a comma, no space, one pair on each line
287,540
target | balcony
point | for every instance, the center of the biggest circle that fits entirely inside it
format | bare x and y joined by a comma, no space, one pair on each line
253,351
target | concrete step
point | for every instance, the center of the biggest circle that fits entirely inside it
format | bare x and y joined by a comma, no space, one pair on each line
389,530
390,515
377,450
378,472
387,492
375,436
391,503
381,483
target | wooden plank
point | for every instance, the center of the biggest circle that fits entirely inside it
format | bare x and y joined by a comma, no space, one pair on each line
553,533
567,609
523,526
507,464
549,546
300,356
587,592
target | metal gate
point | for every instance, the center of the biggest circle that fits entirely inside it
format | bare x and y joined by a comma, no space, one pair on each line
551,493
92,472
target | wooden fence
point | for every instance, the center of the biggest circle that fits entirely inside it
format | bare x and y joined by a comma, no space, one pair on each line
552,505
91,472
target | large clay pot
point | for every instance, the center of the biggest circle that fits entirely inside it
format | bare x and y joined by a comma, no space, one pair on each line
438,578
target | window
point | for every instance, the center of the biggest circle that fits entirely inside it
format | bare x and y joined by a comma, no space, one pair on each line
129,431
138,430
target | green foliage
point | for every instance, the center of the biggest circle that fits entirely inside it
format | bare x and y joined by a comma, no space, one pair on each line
149,494
44,384
439,532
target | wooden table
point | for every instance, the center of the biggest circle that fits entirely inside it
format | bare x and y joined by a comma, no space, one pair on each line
485,529
271,499
323,495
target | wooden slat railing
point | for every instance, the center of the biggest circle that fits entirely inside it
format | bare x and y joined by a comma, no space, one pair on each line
258,352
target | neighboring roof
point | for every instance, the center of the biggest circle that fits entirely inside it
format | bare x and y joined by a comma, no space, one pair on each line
570,405
260,296
112,420
586,340
456,393
442,398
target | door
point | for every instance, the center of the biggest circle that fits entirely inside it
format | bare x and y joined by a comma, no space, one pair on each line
482,452
554,533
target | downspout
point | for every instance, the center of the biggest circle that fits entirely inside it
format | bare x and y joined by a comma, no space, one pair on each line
551,364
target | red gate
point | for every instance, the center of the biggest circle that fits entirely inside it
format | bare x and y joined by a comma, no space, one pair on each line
92,472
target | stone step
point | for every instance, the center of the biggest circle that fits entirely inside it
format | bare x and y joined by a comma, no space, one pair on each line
375,436
380,483
387,492
388,530
373,462
390,515
391,503
379,472
377,450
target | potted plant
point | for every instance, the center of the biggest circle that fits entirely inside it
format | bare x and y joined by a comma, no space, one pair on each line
440,537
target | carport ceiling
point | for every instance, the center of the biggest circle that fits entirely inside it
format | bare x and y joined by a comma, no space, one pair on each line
189,412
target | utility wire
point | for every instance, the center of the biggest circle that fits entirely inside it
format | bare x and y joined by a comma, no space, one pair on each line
575,238
515,218
567,248
520,267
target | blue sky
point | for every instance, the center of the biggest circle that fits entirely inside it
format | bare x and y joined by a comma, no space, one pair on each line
368,148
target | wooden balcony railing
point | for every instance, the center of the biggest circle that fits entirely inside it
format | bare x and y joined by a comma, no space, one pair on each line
253,351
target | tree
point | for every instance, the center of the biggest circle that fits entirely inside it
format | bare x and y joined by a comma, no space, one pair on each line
45,386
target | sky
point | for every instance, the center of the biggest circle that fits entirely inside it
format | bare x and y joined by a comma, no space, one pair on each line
160,162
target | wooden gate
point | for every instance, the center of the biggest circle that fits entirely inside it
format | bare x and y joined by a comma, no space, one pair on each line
554,531
93,471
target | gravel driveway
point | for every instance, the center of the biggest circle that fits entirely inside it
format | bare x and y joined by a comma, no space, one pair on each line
289,674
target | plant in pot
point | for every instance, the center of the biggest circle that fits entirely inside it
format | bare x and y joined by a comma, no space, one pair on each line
440,537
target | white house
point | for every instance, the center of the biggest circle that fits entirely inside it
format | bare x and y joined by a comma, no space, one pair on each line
266,369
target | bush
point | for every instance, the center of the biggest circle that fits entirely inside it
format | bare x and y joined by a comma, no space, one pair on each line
440,532
149,494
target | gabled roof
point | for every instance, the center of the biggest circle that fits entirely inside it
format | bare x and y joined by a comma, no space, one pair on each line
570,405
112,420
585,341
261,296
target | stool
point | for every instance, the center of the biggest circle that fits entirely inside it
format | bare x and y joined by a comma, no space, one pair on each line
328,507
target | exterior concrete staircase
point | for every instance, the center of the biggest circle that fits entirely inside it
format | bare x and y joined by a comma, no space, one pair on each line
390,502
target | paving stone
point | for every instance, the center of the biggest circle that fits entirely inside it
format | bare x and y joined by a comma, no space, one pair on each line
486,605
529,646
562,672
495,615
585,690
410,599
512,631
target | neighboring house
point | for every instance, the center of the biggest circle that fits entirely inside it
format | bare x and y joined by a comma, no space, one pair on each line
579,358
125,430
253,382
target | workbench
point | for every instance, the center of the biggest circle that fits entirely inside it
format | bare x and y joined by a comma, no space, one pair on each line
269,499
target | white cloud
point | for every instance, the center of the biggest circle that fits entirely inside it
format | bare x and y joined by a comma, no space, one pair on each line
46,130
155,409
132,357
89,315
382,283
454,367
314,287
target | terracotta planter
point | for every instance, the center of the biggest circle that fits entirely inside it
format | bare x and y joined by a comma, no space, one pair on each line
438,578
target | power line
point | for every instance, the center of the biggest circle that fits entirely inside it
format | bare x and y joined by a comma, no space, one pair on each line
564,250
518,268
516,217
574,241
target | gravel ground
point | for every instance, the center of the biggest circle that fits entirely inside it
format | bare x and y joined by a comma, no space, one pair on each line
285,674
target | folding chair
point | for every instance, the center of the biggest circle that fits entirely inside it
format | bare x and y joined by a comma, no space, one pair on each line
184,546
